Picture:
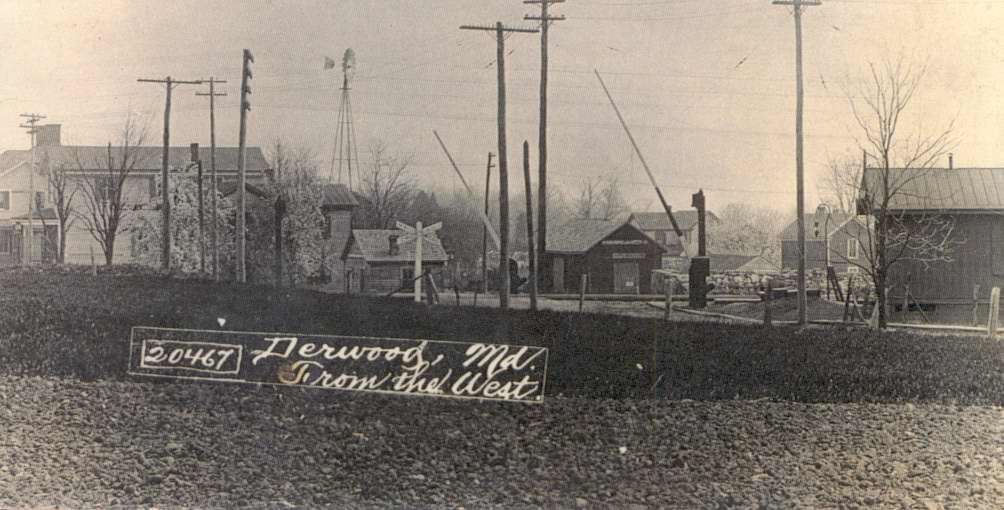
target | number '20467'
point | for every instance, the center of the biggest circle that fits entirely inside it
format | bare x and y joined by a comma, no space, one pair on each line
193,356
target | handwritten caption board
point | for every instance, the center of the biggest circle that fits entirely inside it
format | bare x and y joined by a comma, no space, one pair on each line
380,365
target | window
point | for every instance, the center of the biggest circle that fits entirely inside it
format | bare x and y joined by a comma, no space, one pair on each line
407,278
852,269
39,200
6,241
852,248
5,200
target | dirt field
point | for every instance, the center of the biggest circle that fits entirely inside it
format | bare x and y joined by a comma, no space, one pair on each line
129,444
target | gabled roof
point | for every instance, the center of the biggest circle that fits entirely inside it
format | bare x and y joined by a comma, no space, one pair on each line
338,196
729,261
374,246
837,220
229,187
147,158
580,235
759,264
686,219
956,189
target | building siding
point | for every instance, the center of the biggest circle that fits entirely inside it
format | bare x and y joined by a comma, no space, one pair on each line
972,264
599,262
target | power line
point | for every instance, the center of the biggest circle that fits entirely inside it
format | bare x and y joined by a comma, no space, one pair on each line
165,206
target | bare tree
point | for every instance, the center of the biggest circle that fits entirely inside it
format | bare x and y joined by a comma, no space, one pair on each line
105,204
840,184
599,198
901,159
387,188
62,192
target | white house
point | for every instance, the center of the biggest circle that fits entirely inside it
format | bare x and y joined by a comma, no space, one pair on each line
89,163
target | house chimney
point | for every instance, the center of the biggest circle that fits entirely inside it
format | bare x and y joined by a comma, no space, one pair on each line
393,244
47,135
951,161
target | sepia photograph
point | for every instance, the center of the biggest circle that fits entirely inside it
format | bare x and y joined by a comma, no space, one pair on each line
501,254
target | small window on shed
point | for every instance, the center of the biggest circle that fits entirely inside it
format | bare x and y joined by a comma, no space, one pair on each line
997,246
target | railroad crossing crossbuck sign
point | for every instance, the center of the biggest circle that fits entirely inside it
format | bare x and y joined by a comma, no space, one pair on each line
418,233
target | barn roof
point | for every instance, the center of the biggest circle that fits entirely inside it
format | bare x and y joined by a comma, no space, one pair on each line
955,189
580,235
374,246
338,196
228,188
686,219
147,158
837,220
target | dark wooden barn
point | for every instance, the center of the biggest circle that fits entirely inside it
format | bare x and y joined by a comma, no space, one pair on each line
616,255
972,200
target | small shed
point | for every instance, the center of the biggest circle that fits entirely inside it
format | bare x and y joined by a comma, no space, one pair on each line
380,261
337,205
617,256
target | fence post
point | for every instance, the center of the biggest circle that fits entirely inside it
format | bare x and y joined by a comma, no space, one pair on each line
582,290
767,318
995,301
668,309
976,305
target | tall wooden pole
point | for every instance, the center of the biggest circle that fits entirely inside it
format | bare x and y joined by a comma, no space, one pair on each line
503,174
165,193
212,171
532,255
484,229
418,262
500,31
797,6
30,125
202,236
242,177
545,22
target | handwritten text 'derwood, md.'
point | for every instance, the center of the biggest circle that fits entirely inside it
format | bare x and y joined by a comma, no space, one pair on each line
384,365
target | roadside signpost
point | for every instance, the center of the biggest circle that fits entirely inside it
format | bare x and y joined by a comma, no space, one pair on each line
418,233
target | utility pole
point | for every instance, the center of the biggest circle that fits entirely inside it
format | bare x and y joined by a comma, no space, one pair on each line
197,161
797,6
484,230
531,253
500,31
29,124
212,170
545,22
241,162
165,254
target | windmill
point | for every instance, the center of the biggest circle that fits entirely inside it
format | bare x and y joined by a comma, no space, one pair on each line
345,152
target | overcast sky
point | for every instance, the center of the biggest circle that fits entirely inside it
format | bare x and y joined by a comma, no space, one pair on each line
707,85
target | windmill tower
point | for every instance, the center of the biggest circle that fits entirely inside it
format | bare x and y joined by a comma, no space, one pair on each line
345,154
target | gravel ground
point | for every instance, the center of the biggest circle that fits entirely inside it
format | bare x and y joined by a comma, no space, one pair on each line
128,444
